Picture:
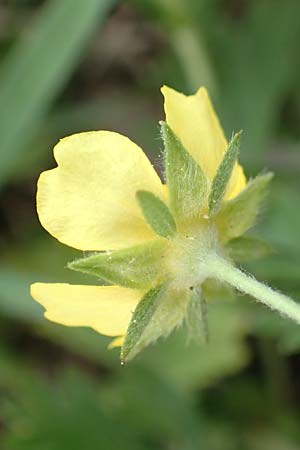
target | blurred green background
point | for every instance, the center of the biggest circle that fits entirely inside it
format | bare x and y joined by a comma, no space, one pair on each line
74,65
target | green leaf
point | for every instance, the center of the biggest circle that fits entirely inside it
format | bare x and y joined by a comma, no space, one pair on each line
238,215
157,314
223,174
196,317
72,410
188,184
135,267
38,67
246,248
157,214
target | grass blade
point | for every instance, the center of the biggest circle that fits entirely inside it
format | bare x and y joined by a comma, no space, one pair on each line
37,68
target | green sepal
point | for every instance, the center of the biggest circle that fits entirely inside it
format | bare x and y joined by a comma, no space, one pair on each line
223,174
157,214
247,248
238,215
141,318
196,317
156,315
188,184
135,267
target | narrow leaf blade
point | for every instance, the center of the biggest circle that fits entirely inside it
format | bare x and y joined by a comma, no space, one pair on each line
135,267
223,174
36,69
157,214
188,184
239,214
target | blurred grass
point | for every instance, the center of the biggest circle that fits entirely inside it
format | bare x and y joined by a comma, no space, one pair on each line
36,69
99,65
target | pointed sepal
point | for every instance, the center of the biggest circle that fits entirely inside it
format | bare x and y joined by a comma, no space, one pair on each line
135,267
247,248
196,317
157,314
239,214
223,174
188,184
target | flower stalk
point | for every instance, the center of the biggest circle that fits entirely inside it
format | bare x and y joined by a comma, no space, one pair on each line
224,271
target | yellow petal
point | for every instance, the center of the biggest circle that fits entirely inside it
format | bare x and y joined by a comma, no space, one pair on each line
88,201
106,309
117,342
194,121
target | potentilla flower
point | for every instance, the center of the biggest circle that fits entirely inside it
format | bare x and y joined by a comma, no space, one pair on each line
155,243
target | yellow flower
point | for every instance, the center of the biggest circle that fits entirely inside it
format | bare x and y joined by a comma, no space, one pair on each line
89,202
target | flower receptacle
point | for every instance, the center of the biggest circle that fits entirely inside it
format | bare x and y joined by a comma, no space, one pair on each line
187,258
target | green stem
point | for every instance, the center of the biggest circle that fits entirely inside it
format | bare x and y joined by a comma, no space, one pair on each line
225,271
193,57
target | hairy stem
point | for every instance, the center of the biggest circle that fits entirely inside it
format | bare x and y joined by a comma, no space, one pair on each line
224,271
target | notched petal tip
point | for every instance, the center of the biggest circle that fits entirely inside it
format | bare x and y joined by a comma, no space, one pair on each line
194,120
34,289
203,92
117,342
106,309
88,200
